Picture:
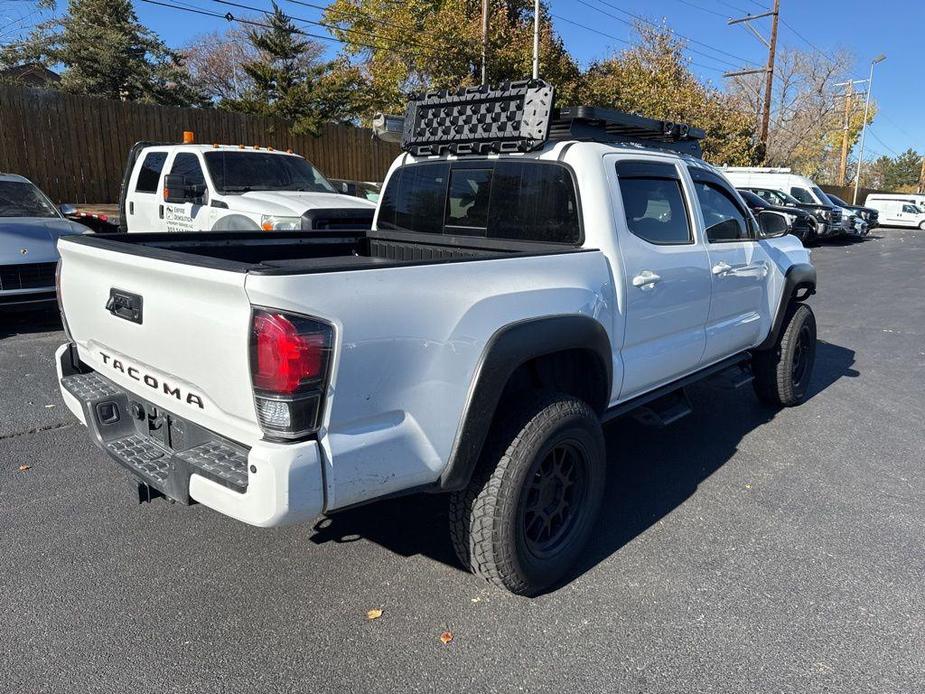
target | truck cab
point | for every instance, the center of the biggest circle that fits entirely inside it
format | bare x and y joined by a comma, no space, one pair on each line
190,187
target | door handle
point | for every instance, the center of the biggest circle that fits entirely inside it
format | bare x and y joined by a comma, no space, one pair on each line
722,268
646,279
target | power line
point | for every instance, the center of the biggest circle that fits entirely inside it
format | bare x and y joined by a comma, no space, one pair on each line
809,43
701,8
252,22
323,25
621,40
871,131
653,24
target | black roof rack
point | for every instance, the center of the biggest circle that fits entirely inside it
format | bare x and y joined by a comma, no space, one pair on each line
520,117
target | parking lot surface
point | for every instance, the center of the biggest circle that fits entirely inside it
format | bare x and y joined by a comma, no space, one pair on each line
742,549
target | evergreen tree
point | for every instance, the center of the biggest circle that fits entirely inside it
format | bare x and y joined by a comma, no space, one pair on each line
290,81
107,52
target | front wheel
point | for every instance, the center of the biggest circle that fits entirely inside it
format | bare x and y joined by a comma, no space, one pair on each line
531,505
782,373
922,226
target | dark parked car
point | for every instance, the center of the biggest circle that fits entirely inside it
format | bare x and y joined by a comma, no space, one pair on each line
868,214
802,223
828,218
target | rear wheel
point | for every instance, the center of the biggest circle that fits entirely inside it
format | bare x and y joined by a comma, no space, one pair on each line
782,373
531,505
922,226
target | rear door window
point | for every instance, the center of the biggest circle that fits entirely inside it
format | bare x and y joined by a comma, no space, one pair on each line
653,202
150,173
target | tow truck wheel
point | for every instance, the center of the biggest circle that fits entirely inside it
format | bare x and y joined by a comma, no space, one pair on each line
782,374
531,504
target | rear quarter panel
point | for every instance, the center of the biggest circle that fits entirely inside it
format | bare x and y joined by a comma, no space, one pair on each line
408,340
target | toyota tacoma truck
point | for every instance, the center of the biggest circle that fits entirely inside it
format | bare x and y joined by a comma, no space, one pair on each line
531,273
200,187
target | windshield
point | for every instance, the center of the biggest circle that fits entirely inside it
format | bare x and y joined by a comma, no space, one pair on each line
837,200
240,172
822,197
22,199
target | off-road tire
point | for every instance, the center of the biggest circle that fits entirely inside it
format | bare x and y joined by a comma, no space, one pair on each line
487,518
782,373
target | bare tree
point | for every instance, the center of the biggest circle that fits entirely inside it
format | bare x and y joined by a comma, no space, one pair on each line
214,62
807,110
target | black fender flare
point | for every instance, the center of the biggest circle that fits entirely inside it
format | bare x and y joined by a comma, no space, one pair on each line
799,277
507,350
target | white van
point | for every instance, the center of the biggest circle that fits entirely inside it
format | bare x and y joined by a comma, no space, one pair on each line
898,209
799,187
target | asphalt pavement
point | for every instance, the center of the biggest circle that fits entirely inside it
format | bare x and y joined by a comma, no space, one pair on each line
742,549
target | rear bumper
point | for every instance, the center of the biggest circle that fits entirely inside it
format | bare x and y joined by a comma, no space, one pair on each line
267,484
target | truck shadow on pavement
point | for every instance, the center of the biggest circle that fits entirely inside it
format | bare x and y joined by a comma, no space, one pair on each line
32,321
651,472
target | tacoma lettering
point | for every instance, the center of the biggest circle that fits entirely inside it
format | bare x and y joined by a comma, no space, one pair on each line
153,382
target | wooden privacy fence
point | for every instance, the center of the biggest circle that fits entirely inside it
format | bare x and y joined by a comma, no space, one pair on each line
74,147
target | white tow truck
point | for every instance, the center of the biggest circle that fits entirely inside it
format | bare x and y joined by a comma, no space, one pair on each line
531,273
197,187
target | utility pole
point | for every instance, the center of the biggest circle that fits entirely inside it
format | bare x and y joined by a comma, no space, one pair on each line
843,164
849,105
769,77
484,41
768,70
536,39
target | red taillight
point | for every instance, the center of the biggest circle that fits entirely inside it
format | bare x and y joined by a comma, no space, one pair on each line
289,365
284,358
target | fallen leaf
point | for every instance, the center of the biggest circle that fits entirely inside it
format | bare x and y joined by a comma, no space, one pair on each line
446,637
748,486
373,614
23,468
476,599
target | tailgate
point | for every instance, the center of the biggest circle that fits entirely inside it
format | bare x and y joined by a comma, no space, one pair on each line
187,352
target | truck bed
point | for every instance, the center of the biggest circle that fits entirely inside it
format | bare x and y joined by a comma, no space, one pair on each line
299,252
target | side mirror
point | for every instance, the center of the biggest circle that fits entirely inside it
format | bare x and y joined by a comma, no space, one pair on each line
67,209
772,224
175,188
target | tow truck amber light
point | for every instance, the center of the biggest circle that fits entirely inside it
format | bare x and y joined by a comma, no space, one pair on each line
289,365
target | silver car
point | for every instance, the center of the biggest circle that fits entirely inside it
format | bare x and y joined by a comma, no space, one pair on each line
30,226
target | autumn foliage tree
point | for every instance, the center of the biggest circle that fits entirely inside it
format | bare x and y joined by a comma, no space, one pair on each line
653,79
417,45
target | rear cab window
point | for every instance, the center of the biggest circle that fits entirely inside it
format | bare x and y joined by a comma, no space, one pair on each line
149,174
526,200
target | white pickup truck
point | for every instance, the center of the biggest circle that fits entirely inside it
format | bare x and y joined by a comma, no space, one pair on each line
523,283
190,187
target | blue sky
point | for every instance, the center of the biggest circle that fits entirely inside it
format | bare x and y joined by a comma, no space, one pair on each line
893,27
